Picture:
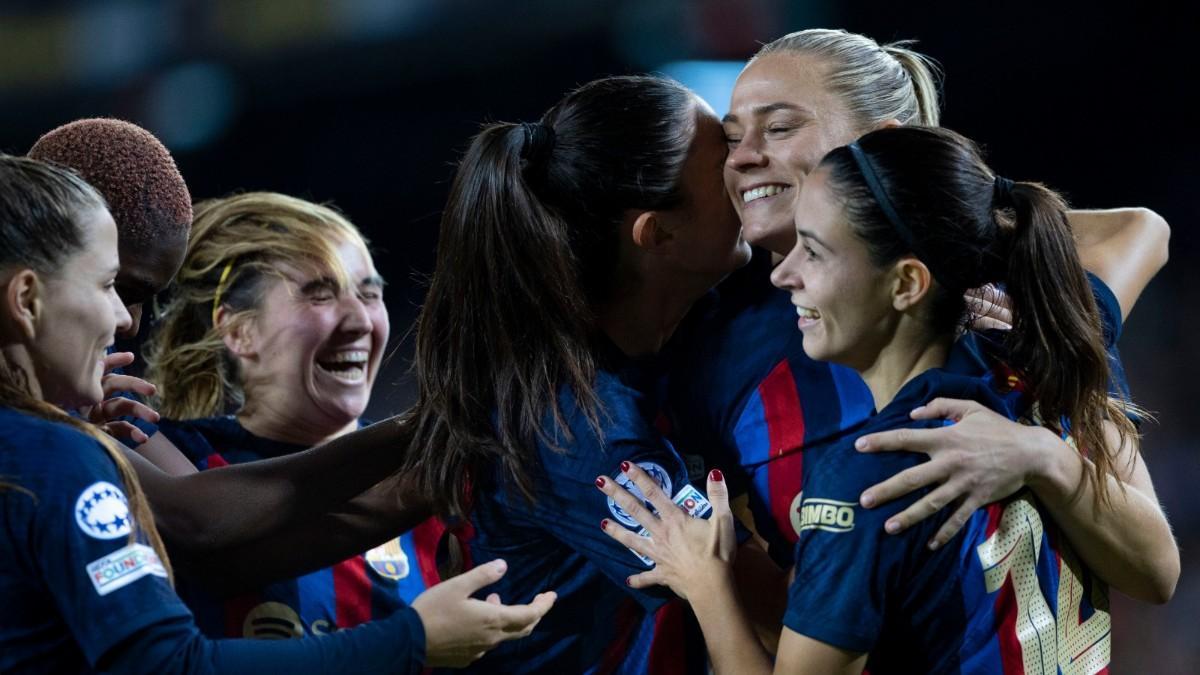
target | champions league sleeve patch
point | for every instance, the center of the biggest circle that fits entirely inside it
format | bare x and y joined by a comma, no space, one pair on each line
653,470
123,567
102,511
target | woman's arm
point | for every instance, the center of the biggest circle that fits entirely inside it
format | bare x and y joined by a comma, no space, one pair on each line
1124,247
261,497
1126,541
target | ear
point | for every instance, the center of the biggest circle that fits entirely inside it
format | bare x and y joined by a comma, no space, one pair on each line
648,229
239,339
911,283
889,124
22,302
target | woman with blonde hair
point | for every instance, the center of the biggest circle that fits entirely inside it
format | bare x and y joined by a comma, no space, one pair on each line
271,344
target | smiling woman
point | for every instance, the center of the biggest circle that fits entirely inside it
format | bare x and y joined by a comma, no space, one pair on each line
278,317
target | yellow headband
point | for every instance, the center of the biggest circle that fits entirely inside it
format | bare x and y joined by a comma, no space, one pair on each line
220,289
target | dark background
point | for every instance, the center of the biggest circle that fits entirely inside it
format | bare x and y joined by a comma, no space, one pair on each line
367,103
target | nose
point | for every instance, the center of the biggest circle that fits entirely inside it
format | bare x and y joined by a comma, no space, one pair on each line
786,274
129,319
746,154
356,320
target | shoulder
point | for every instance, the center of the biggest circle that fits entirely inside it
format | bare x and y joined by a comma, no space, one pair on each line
51,459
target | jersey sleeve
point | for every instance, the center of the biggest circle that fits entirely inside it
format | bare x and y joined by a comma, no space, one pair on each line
1111,326
849,571
106,586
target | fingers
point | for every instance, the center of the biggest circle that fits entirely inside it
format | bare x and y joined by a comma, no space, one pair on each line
650,488
476,578
521,619
718,492
628,503
642,545
114,384
493,598
646,579
124,407
921,509
989,323
117,360
913,440
946,408
909,480
956,522
125,430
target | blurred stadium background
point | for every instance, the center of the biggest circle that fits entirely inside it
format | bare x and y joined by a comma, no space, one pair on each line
366,104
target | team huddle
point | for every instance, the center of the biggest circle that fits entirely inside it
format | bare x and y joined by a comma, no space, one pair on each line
805,389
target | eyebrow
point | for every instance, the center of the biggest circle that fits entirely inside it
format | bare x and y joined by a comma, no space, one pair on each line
373,280
809,235
324,283
767,109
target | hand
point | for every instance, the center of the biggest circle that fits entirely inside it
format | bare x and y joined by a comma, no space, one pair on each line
687,551
989,308
105,414
459,629
982,458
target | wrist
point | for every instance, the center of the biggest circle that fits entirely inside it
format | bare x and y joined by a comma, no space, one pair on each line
1051,469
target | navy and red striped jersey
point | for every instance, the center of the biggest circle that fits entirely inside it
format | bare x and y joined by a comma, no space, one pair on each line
742,395
1006,595
357,590
554,542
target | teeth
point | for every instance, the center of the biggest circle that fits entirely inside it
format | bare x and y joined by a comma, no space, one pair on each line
357,357
354,373
763,191
806,313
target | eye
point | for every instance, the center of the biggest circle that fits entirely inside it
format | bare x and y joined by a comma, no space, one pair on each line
370,295
810,253
322,295
780,128
732,140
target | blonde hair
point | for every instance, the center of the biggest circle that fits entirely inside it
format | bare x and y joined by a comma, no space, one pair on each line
236,243
40,206
877,83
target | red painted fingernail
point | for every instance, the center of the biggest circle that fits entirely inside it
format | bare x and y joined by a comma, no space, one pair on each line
600,482
604,524
716,475
624,466
628,582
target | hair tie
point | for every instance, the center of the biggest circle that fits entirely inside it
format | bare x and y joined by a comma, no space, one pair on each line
221,289
1002,192
539,142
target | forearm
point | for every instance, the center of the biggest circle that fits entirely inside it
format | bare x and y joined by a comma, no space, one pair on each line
1124,247
764,587
1126,540
369,520
258,498
732,644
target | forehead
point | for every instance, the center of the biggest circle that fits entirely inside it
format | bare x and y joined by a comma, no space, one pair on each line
150,265
782,77
352,260
818,210
99,237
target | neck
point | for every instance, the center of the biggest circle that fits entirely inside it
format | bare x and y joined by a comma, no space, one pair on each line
641,318
266,421
908,354
16,364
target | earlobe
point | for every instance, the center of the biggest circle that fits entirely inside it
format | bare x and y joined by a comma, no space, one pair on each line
890,124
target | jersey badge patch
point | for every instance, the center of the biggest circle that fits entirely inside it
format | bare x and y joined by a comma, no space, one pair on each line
829,515
656,472
102,511
389,560
123,567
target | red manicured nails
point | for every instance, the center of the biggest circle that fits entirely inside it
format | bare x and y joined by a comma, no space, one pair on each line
600,482
624,467
604,524
716,476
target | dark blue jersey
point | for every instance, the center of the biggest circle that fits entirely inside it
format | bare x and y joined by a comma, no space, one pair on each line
363,588
79,594
1006,595
742,395
554,542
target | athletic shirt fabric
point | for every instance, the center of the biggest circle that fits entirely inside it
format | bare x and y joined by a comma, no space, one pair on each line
598,624
1006,595
80,597
364,588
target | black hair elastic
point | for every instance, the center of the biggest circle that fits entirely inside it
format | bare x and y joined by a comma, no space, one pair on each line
539,142
1002,192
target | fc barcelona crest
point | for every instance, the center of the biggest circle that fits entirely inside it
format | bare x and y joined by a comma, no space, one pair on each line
389,560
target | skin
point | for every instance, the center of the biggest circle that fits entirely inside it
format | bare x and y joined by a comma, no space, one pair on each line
147,267
302,322
781,122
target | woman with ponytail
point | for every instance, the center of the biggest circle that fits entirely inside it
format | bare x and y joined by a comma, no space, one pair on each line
892,230
570,248
756,412
84,576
